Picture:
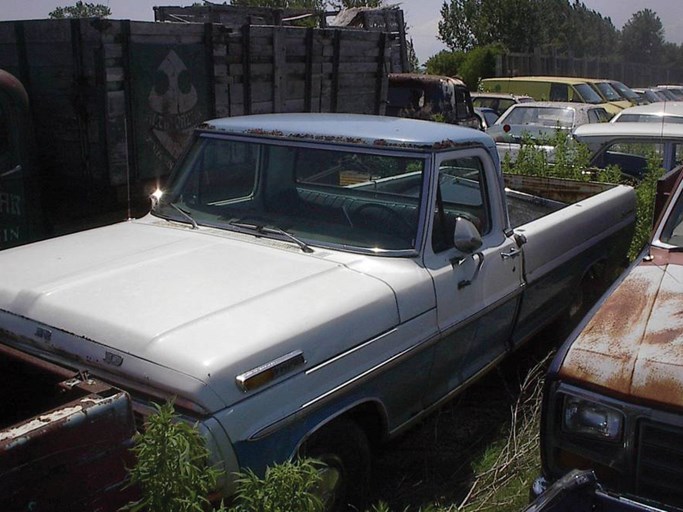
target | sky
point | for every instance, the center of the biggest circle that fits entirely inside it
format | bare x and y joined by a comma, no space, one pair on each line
422,16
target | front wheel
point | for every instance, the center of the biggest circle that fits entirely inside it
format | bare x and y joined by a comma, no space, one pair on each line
343,450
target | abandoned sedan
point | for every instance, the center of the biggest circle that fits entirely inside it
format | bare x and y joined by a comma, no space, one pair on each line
539,123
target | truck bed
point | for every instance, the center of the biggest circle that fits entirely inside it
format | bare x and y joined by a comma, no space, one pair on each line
64,438
532,197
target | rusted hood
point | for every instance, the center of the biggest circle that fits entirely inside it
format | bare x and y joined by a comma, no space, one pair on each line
633,346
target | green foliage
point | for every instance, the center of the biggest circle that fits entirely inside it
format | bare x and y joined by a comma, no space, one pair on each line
643,38
470,66
445,63
290,486
413,61
170,467
479,63
523,25
81,10
571,160
645,207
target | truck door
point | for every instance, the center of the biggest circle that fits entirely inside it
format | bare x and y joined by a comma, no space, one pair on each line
477,293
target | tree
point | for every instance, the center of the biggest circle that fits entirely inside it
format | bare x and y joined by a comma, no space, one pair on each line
81,10
524,25
470,66
455,28
445,63
469,23
642,38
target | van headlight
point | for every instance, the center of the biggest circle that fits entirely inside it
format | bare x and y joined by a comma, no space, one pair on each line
585,417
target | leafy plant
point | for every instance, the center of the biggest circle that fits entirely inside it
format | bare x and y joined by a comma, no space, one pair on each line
569,158
290,486
81,10
645,206
171,465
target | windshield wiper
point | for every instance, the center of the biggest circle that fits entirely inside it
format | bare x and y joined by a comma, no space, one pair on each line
185,214
267,230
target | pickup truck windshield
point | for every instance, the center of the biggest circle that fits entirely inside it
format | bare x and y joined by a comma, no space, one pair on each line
343,198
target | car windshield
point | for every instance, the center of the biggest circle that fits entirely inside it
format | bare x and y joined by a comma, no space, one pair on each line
369,202
608,91
556,117
625,91
588,94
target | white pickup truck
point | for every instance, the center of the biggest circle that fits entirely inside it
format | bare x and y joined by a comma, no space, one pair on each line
313,283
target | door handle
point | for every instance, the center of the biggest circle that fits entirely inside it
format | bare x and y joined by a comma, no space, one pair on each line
512,253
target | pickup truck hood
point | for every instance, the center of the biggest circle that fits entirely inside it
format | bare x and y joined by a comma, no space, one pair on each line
167,303
633,346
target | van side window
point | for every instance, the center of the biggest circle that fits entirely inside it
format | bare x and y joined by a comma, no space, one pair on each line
559,92
461,193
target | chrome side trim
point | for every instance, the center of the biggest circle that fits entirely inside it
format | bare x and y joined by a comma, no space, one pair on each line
348,352
396,359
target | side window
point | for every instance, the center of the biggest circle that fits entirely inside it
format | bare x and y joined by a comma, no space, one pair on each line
559,92
632,158
461,193
462,103
598,115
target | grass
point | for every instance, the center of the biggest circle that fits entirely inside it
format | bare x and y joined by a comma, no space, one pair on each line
505,471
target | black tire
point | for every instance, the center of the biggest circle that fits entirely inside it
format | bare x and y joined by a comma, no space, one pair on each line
343,449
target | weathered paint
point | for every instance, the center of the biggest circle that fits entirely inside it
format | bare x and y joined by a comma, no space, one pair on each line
72,457
633,346
354,129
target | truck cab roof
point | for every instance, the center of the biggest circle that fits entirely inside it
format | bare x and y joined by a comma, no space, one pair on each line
353,129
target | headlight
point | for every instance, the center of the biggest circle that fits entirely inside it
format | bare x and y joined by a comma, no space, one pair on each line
592,419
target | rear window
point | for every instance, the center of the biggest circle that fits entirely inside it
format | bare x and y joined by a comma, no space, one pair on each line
648,118
544,116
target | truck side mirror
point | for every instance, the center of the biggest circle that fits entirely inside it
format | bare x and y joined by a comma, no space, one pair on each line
466,236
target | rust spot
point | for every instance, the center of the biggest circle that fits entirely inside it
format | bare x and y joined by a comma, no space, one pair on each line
665,325
605,353
662,257
659,383
620,312
270,133
663,337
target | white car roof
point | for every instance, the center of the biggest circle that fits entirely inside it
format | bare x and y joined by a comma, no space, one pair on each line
610,131
661,108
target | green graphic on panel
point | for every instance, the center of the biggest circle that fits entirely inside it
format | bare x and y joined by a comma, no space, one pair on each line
169,100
